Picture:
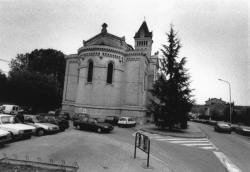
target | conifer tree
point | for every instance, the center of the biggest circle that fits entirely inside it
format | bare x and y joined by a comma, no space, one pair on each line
172,96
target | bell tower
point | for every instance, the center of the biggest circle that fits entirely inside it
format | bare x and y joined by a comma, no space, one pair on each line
143,39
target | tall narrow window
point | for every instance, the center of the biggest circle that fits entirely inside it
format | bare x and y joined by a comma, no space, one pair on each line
110,73
90,71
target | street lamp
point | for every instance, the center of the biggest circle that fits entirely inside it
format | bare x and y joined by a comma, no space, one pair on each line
230,109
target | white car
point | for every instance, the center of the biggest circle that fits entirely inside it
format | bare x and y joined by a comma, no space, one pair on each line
126,122
4,136
10,109
41,127
16,130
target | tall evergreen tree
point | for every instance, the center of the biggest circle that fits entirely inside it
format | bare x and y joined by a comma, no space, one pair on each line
172,95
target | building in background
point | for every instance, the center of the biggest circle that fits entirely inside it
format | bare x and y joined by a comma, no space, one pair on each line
214,101
107,76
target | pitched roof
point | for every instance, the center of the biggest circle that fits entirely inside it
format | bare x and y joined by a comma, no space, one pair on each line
143,29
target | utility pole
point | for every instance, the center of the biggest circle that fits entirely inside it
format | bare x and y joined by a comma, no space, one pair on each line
230,108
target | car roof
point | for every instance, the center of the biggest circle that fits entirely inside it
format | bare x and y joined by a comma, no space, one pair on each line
221,122
127,117
8,105
32,116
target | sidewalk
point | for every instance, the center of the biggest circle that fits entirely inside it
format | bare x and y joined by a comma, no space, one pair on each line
191,132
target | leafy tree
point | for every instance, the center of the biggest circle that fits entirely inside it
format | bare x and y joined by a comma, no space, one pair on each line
36,79
172,95
247,117
45,61
216,115
3,81
33,89
19,64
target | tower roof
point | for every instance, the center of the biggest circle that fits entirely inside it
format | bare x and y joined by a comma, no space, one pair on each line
143,30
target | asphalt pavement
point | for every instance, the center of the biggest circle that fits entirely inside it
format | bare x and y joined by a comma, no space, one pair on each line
236,147
92,151
114,151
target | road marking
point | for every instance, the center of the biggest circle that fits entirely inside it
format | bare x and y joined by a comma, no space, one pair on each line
202,143
226,162
190,141
208,147
155,137
182,139
197,144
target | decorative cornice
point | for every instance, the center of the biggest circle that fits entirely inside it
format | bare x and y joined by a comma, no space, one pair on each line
100,48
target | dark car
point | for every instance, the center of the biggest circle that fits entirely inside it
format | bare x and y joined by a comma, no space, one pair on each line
93,124
64,115
61,122
244,130
113,120
77,116
222,127
212,122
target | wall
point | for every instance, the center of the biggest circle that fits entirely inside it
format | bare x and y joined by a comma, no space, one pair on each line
99,93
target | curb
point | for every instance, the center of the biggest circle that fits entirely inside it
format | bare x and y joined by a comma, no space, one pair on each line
202,135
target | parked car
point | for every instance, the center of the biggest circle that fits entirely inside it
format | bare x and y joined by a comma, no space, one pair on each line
10,109
5,136
244,130
126,122
222,127
76,116
212,122
113,120
62,123
93,124
17,130
41,126
64,115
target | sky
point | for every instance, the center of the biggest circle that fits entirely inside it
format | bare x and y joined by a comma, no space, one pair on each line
214,34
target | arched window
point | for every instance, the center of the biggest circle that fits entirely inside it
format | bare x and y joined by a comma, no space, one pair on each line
110,73
90,71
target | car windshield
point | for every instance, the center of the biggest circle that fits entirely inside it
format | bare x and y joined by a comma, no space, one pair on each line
99,120
7,119
32,119
92,120
223,124
122,119
130,119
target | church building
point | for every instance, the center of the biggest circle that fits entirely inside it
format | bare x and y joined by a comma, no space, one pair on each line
107,76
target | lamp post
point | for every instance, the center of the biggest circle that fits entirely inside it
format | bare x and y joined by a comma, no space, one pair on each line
230,108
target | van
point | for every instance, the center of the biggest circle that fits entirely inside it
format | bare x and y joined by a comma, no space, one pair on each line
10,109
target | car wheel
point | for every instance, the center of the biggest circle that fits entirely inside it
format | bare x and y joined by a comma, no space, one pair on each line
40,132
99,130
12,137
62,129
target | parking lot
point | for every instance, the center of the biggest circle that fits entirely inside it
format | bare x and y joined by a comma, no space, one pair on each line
92,151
